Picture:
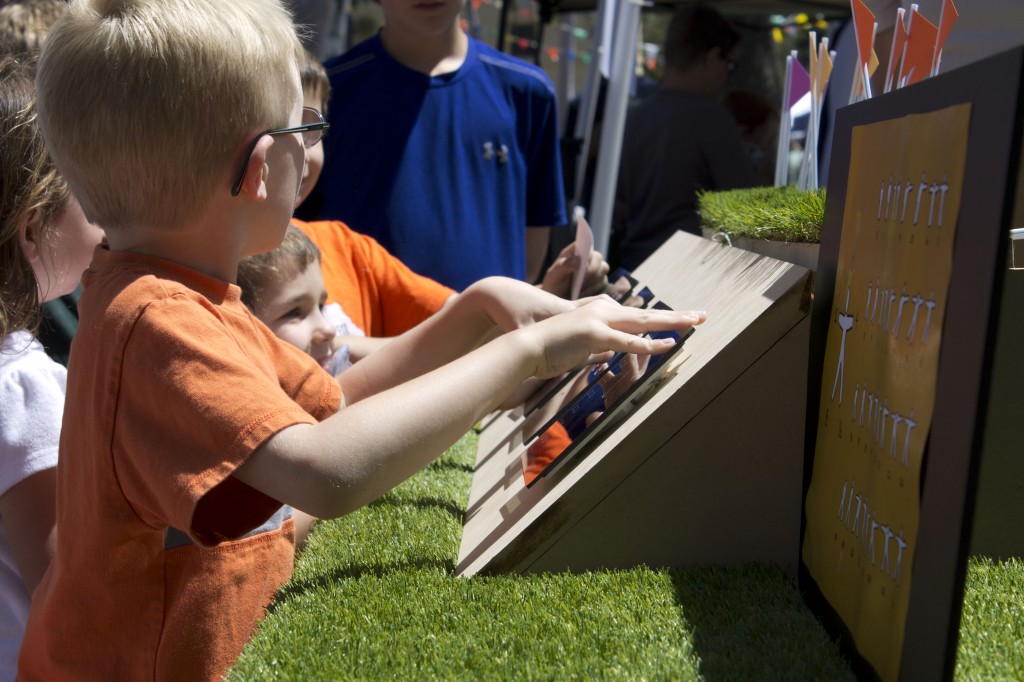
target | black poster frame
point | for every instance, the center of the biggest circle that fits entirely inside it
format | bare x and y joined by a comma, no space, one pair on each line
952,454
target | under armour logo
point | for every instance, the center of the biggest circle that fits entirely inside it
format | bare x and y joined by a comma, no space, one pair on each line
489,152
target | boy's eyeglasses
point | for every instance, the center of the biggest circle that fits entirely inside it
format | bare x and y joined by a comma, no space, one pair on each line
312,129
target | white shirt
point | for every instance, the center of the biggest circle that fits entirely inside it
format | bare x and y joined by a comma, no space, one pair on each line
31,409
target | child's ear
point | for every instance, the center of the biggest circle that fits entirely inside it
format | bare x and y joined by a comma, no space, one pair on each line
256,170
29,235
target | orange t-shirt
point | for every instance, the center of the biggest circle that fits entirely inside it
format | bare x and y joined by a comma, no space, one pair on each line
376,290
165,562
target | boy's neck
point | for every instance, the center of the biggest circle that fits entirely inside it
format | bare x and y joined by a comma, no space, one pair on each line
211,248
434,55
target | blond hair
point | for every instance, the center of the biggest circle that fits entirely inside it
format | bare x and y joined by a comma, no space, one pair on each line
256,273
28,182
147,104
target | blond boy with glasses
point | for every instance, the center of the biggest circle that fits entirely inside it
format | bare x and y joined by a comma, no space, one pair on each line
190,430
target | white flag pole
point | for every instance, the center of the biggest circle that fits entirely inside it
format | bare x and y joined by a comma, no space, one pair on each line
785,124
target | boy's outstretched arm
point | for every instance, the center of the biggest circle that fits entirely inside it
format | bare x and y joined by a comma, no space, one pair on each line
485,309
331,468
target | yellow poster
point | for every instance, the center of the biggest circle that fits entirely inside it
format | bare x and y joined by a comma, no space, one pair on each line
879,372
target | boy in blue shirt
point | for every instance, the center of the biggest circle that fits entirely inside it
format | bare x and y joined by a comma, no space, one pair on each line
453,165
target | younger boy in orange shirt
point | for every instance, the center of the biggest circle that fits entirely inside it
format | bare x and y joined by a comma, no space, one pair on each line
284,289
190,430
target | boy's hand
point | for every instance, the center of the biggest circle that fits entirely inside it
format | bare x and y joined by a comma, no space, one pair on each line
596,330
511,304
558,278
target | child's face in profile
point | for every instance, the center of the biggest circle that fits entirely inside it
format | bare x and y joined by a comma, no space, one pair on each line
314,155
293,310
62,256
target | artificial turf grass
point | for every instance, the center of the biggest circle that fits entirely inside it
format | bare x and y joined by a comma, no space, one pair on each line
374,597
784,214
992,623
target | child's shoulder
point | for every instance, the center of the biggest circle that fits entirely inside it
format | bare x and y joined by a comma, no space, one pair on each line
512,70
32,389
126,292
22,356
332,235
361,58
135,278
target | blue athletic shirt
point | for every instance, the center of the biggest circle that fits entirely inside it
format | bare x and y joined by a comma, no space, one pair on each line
445,172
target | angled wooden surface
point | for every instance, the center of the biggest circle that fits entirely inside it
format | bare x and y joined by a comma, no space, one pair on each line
706,470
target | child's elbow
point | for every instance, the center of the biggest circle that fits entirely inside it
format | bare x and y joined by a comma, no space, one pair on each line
326,501
301,468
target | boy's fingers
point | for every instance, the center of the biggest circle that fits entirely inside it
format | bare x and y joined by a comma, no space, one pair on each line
586,300
566,262
695,316
615,310
640,345
597,266
637,321
597,359
596,279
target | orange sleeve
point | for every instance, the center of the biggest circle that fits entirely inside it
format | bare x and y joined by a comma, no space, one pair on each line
188,369
375,289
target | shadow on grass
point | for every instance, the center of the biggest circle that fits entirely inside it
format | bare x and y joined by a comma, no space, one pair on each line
442,463
355,572
749,622
457,511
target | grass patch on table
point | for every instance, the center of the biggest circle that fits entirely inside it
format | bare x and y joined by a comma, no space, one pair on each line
784,214
992,623
374,597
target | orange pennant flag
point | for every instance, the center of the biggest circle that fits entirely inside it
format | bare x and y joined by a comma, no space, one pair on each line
824,68
920,49
899,43
947,18
864,29
812,58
